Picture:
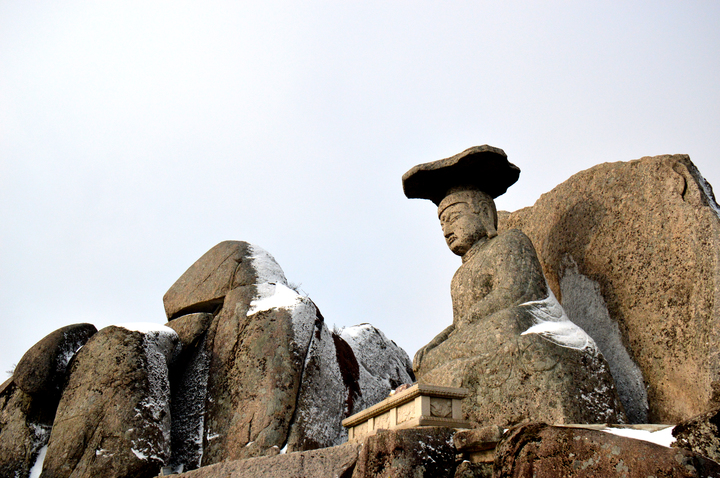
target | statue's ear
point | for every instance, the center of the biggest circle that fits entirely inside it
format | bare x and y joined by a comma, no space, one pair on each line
489,220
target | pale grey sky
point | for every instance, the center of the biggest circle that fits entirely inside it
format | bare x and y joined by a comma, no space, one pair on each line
134,136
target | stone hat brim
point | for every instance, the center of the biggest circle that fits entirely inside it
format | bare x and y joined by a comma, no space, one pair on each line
482,167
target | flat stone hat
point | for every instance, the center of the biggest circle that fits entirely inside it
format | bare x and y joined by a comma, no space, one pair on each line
483,167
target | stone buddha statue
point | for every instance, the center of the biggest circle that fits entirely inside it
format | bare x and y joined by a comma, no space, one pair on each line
510,342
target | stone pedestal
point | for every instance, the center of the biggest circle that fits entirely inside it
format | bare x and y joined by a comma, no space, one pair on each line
419,405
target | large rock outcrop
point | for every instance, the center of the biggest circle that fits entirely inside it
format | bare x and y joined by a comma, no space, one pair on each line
113,419
275,377
632,250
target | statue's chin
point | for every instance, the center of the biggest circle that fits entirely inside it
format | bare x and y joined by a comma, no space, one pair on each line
459,250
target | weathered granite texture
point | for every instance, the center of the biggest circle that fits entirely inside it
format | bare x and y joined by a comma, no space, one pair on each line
510,343
113,419
382,365
256,349
700,434
632,250
541,451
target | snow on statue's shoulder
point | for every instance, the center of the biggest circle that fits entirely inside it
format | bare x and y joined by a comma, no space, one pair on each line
551,323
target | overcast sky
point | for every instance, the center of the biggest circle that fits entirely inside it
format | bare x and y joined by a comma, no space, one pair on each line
134,136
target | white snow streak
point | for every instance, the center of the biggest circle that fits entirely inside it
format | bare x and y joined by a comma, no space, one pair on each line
37,467
551,323
139,454
661,437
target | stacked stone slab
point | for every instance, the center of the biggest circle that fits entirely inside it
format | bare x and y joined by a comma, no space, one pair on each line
632,250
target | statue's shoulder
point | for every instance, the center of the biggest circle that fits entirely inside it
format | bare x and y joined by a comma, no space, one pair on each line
513,239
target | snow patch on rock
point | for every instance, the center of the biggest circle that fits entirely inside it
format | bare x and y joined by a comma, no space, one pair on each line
271,296
551,323
146,327
40,438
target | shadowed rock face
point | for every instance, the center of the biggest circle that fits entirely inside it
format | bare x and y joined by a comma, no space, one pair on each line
188,389
113,419
632,250
542,451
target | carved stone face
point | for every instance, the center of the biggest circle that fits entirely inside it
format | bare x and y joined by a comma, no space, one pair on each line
462,226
